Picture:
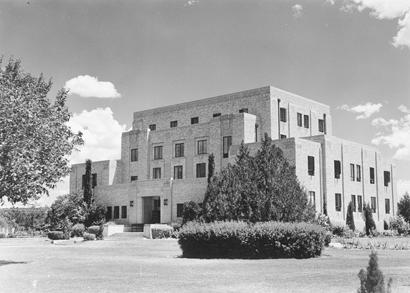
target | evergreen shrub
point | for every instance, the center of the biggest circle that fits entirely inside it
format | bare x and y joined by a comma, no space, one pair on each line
56,235
77,230
243,240
89,236
97,231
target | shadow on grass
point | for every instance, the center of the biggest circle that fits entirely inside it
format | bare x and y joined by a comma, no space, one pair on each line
8,262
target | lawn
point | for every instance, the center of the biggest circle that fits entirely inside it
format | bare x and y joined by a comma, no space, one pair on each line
129,263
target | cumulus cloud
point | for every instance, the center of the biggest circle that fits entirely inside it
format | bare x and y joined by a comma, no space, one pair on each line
364,111
387,9
191,3
297,10
395,133
331,2
88,86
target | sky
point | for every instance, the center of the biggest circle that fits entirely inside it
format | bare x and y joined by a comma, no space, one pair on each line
118,57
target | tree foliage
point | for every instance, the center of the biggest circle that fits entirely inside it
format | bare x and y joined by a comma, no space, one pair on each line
35,140
349,217
190,211
211,167
88,192
263,187
372,279
370,225
403,207
25,219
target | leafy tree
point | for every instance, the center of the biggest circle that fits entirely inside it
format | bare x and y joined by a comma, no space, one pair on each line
95,215
372,279
370,225
190,211
403,207
25,219
263,187
88,192
211,167
70,207
349,217
35,141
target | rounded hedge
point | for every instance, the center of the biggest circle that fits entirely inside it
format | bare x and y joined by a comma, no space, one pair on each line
243,240
56,235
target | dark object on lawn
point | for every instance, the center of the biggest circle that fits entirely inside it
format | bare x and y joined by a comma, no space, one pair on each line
372,280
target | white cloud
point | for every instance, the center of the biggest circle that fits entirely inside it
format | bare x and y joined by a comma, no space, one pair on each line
364,111
387,9
191,3
297,10
395,134
403,186
331,2
88,86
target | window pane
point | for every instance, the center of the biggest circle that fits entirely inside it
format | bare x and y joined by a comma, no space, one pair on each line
200,170
180,208
243,110
371,175
134,155
306,121
358,173
321,125
116,212
283,114
352,172
300,118
311,165
153,127
124,212
227,142
386,178
108,214
216,115
359,203
178,172
387,205
373,204
173,124
201,147
156,173
94,180
157,152
194,120
354,202
312,198
338,202
337,168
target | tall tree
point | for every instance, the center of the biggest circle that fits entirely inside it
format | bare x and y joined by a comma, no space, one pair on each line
35,141
349,217
257,188
88,191
403,207
370,225
211,167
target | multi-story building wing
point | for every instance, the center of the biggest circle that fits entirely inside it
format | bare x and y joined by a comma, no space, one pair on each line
164,157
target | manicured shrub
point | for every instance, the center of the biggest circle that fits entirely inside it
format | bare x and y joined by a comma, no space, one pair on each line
191,211
372,279
341,230
56,235
370,225
349,217
243,240
163,232
400,225
97,231
88,236
77,230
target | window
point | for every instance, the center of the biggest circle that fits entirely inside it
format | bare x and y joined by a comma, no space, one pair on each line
165,201
158,152
338,169
134,155
243,110
300,118
131,203
283,114
354,202
371,170
108,213
200,170
306,121
216,115
311,165
358,173
227,142
386,178
94,180
194,120
178,172
351,172
338,202
359,203
321,125
179,150
123,212
312,198
173,124
282,136
180,208
116,212
373,204
134,178
387,205
201,147
156,173
152,127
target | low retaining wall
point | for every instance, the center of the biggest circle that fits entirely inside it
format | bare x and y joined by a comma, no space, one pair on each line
110,229
148,229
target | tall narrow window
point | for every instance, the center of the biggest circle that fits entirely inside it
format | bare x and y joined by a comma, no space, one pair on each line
123,212
134,155
312,198
352,172
173,124
158,152
201,147
156,173
306,121
371,170
354,202
338,202
387,205
152,127
178,171
94,180
358,173
283,117
227,142
179,150
256,132
108,213
243,110
116,212
359,203
337,168
311,165
321,125
200,170
386,178
180,208
373,204
300,119
194,120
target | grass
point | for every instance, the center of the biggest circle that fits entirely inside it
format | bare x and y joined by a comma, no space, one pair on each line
129,263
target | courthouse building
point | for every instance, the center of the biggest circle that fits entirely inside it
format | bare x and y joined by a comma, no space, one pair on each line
164,157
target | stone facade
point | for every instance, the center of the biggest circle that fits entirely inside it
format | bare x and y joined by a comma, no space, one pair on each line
164,157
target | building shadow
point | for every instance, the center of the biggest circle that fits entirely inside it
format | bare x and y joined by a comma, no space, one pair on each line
9,262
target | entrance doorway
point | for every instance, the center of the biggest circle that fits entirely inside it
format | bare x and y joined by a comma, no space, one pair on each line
152,209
